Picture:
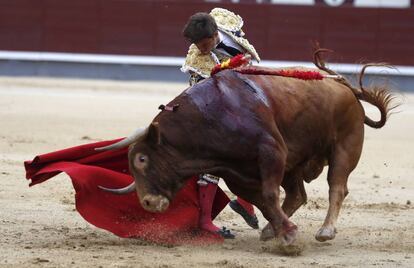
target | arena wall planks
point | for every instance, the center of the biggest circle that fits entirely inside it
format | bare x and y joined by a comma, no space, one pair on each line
140,27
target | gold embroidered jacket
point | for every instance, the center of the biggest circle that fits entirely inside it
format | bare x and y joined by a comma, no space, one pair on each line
230,24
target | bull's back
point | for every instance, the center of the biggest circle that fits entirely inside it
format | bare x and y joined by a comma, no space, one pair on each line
309,114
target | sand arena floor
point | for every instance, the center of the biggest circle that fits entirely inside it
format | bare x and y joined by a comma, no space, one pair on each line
40,227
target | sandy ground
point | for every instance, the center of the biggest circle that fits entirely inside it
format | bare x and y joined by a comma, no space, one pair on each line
40,227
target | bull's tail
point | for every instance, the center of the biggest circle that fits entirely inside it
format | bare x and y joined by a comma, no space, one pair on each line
379,96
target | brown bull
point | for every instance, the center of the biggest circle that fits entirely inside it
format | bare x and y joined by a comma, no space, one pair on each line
258,133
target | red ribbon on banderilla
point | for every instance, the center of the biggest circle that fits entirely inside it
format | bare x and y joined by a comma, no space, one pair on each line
243,60
236,61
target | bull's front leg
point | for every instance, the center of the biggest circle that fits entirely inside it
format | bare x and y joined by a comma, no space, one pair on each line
272,160
294,199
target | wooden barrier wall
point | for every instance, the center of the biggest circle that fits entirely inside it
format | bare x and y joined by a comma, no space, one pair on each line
140,27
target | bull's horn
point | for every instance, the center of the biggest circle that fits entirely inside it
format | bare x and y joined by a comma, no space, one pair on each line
125,142
130,188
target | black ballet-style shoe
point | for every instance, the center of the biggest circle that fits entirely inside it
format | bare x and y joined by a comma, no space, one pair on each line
251,220
225,233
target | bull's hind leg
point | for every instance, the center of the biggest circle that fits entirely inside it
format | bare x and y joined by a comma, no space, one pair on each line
295,195
343,160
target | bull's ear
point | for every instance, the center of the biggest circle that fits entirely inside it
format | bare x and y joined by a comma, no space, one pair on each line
154,133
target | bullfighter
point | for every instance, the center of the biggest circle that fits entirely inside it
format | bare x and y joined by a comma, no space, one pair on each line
215,38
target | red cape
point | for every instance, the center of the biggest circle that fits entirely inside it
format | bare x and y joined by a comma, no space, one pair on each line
122,214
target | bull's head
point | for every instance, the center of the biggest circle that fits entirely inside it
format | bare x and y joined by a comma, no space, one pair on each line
152,166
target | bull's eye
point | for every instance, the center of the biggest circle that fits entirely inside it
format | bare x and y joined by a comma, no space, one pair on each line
141,161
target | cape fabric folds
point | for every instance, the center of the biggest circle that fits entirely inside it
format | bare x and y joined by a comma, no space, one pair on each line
122,214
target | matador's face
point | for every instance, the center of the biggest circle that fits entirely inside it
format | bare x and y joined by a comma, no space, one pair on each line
207,44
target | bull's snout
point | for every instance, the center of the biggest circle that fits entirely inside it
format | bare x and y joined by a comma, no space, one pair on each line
155,203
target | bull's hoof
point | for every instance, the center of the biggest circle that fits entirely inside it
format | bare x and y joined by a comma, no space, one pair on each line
325,234
267,233
289,236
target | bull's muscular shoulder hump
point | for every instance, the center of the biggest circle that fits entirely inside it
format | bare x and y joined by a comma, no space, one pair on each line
229,89
202,93
232,100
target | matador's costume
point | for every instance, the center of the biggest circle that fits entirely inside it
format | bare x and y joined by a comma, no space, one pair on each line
230,28
230,43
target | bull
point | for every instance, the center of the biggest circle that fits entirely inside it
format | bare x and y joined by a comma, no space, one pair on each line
258,133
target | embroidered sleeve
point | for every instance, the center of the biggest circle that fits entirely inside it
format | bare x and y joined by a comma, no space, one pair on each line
198,63
227,20
231,24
